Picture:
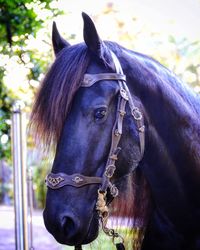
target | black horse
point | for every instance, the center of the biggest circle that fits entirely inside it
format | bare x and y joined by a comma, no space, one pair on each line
86,93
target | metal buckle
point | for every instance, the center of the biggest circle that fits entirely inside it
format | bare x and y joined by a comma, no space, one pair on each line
113,190
110,169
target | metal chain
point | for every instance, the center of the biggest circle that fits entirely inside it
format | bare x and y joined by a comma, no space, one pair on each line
104,214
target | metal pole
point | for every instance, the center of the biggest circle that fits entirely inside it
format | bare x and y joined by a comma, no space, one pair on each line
30,202
20,187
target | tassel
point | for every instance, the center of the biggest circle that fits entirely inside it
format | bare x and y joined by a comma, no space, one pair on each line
120,246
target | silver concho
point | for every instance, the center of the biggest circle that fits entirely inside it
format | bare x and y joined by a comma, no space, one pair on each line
77,179
55,181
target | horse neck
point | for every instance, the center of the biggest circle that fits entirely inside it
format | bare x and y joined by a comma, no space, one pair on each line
171,116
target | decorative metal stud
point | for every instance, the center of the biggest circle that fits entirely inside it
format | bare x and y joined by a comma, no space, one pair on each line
54,181
122,112
142,129
117,133
137,114
124,94
77,179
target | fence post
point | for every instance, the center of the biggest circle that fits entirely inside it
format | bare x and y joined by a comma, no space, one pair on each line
30,207
20,185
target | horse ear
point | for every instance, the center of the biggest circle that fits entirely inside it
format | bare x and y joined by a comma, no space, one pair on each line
58,42
91,36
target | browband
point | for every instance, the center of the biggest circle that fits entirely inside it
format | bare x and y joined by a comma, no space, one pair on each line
90,79
56,181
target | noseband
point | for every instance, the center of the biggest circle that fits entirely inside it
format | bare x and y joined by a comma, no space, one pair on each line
56,181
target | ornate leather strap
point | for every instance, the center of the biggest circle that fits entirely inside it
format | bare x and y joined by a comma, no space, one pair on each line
56,181
90,79
136,113
114,149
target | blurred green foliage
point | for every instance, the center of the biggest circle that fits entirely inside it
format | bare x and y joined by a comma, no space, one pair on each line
19,19
183,58
5,113
105,242
40,170
19,23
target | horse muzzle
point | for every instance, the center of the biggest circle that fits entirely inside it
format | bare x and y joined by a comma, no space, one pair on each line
69,226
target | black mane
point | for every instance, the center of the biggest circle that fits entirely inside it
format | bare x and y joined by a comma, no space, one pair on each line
142,63
57,91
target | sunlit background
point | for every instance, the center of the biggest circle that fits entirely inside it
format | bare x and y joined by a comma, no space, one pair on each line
162,29
169,31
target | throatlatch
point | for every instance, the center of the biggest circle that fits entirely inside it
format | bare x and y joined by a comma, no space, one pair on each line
56,181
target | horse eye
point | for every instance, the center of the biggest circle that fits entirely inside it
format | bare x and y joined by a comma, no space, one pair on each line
100,113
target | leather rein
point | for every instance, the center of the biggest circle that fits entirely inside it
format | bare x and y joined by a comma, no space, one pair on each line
56,181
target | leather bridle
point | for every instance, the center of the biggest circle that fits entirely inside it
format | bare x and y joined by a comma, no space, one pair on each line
56,181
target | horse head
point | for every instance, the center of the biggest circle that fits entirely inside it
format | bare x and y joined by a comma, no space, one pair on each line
109,111
100,134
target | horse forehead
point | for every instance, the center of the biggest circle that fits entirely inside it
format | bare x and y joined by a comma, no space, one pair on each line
102,90
96,67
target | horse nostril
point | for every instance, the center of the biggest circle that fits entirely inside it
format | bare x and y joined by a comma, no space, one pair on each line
69,226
